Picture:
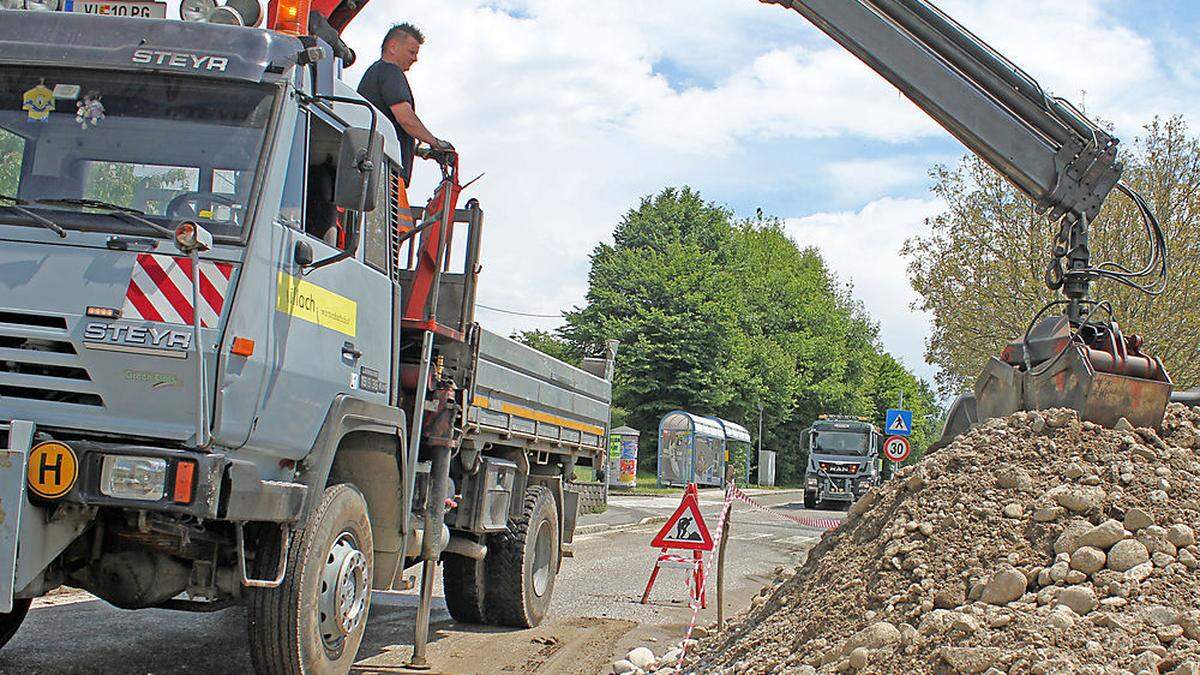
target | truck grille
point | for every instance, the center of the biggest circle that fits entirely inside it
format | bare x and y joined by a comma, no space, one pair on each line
39,363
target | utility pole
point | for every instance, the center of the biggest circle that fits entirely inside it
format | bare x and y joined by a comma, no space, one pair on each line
760,413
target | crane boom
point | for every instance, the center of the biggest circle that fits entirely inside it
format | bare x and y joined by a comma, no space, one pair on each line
1065,163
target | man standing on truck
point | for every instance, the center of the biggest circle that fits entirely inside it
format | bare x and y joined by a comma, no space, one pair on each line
385,85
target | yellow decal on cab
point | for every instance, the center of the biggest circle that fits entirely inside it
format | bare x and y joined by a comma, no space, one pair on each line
303,300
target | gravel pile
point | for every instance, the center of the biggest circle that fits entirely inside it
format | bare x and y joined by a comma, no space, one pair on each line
1033,544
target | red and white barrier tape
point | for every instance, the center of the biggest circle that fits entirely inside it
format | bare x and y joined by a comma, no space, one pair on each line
726,508
732,493
819,523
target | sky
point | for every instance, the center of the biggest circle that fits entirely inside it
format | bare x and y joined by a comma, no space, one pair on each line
575,109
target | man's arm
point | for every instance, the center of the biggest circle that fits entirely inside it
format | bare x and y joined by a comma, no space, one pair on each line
407,117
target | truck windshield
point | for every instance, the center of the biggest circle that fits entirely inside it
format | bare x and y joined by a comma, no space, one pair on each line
173,148
841,442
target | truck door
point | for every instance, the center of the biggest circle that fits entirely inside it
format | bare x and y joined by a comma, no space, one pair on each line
330,328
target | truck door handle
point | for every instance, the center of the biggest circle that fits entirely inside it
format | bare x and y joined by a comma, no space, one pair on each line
349,350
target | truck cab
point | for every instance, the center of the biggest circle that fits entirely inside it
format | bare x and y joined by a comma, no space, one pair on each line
233,370
842,462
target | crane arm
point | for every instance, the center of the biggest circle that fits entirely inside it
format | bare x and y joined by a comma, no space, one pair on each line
1044,146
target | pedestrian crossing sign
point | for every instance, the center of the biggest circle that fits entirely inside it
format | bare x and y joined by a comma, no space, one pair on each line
898,422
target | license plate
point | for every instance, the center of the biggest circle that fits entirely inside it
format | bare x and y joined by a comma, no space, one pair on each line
144,10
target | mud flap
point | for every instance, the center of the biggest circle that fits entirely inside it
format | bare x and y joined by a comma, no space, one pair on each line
12,500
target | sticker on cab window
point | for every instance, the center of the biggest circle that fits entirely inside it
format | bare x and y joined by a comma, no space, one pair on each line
89,111
38,102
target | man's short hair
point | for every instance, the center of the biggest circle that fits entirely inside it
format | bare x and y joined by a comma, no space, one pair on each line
403,29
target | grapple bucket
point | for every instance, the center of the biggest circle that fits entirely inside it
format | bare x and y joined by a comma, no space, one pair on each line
1096,371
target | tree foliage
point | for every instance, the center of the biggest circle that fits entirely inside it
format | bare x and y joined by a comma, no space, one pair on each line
979,271
720,316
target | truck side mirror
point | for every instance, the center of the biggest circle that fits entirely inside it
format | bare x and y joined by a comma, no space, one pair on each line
360,165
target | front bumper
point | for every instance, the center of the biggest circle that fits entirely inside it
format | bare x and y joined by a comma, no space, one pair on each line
842,488
222,489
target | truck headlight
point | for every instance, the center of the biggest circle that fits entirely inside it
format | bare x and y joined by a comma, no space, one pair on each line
12,4
140,478
42,5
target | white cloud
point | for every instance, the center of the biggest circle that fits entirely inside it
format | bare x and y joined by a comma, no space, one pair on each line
570,108
863,248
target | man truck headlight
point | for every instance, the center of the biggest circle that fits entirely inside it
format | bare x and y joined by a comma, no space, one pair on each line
12,4
42,5
140,478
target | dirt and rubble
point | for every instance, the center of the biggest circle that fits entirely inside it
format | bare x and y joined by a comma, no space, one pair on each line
1032,544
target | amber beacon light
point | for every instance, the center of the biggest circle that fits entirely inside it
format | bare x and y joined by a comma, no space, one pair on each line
290,16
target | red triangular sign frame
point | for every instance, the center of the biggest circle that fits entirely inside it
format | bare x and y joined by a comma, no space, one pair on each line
693,534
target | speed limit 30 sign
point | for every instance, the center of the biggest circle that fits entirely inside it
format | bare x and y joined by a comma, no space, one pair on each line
896,448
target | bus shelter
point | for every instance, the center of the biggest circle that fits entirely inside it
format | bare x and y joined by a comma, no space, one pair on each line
691,449
737,450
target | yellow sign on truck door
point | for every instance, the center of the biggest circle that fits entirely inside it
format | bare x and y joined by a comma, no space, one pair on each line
310,302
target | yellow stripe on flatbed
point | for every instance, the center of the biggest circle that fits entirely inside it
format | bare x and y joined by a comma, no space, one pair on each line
526,413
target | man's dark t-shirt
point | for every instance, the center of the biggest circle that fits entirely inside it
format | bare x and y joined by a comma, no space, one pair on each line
384,85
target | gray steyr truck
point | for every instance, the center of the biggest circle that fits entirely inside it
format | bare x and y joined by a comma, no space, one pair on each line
235,368
843,460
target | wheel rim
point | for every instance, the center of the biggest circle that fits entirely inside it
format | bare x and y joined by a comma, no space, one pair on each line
542,558
344,589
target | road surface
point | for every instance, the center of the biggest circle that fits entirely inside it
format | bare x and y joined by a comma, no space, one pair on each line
596,615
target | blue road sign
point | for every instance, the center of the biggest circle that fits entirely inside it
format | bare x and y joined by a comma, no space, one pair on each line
898,423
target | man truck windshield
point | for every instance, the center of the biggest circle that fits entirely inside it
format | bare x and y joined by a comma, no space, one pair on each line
171,148
841,442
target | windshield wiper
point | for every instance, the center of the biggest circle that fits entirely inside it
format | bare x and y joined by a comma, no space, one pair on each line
115,210
17,204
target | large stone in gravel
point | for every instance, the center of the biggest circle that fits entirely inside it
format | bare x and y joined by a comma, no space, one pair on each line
1006,585
970,659
1127,554
1191,624
1078,499
859,658
1081,599
1104,535
1181,535
1068,541
1088,559
1137,519
1140,573
641,657
876,636
622,666
1013,477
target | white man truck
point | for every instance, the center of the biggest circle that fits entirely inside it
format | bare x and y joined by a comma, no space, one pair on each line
233,370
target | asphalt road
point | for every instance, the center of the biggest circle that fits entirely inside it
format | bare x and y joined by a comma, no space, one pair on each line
596,614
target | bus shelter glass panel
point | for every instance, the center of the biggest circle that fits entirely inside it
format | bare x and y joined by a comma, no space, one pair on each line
710,455
737,450
690,449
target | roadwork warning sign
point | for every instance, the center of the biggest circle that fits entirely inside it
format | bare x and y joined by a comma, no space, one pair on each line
685,528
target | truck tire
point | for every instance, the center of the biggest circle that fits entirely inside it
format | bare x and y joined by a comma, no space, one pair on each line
465,582
11,621
810,500
522,563
314,622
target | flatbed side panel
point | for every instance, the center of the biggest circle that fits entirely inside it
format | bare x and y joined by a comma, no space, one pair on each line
522,390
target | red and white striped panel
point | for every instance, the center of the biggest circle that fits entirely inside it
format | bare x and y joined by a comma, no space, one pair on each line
161,290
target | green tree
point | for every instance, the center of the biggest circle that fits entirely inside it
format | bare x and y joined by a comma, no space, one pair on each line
548,343
719,316
979,270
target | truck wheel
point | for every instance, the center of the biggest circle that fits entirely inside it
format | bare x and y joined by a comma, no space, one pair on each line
315,621
11,621
522,563
810,500
464,580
